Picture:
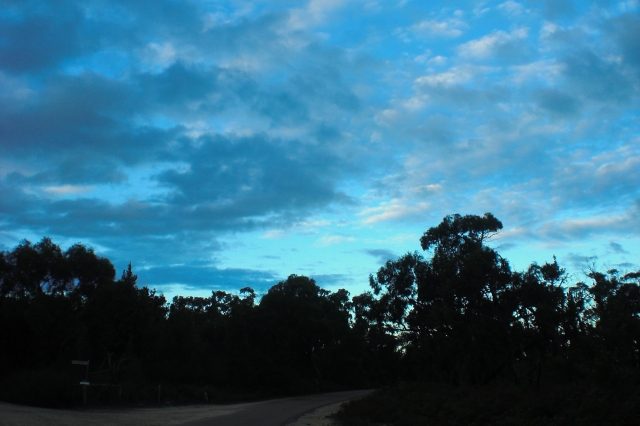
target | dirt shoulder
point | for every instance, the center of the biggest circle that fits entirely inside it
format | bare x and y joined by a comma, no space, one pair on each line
18,415
318,417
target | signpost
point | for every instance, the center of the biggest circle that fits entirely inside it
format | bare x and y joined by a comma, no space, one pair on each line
84,383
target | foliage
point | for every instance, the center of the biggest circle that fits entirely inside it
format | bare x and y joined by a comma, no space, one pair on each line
438,404
456,317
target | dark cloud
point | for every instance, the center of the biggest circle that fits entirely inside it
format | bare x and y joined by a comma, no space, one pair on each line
79,171
626,31
254,176
555,9
506,246
556,102
617,248
626,266
86,128
459,96
32,43
438,130
579,261
205,277
382,255
598,79
228,184
178,84
331,280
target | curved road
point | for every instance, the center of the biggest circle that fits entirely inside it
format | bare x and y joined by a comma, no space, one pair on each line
277,412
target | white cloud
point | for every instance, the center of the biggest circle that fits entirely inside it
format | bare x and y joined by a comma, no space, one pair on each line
490,44
480,10
274,234
159,55
547,70
437,60
448,28
423,58
626,6
393,210
454,76
387,117
316,12
511,7
328,240
548,29
626,222
68,189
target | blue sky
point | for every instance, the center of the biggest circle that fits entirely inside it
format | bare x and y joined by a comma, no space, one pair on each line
222,144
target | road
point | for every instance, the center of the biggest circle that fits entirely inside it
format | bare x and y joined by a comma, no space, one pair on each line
274,412
277,412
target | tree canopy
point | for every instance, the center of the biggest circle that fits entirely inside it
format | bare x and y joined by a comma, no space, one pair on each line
456,314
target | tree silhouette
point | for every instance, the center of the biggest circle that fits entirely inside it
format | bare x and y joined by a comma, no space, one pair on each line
456,313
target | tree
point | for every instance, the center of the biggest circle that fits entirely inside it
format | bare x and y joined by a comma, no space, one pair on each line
302,322
449,311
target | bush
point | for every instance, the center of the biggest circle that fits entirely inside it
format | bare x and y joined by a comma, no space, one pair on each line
45,387
444,405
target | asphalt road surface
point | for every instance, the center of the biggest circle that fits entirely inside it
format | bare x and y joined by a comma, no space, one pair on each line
277,412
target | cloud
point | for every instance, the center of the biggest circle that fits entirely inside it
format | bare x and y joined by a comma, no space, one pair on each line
205,277
72,171
156,130
273,234
331,280
579,261
381,255
315,13
626,266
67,189
39,42
511,7
609,224
617,248
394,210
557,102
448,28
253,176
453,76
329,240
499,43
597,78
555,9
625,29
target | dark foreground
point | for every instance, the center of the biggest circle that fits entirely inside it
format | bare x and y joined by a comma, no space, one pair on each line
264,413
444,405
278,412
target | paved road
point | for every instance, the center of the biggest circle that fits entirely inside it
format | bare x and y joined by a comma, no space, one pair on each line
277,412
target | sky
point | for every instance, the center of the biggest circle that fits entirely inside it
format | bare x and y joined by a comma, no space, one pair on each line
223,144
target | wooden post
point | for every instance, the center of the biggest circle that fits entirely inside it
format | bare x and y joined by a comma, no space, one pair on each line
85,383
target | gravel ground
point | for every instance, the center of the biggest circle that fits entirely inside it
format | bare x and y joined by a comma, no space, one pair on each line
19,415
318,417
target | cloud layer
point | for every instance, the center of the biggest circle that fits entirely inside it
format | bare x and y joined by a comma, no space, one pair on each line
167,133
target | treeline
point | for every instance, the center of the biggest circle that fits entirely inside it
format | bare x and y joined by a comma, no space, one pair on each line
461,316
58,306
